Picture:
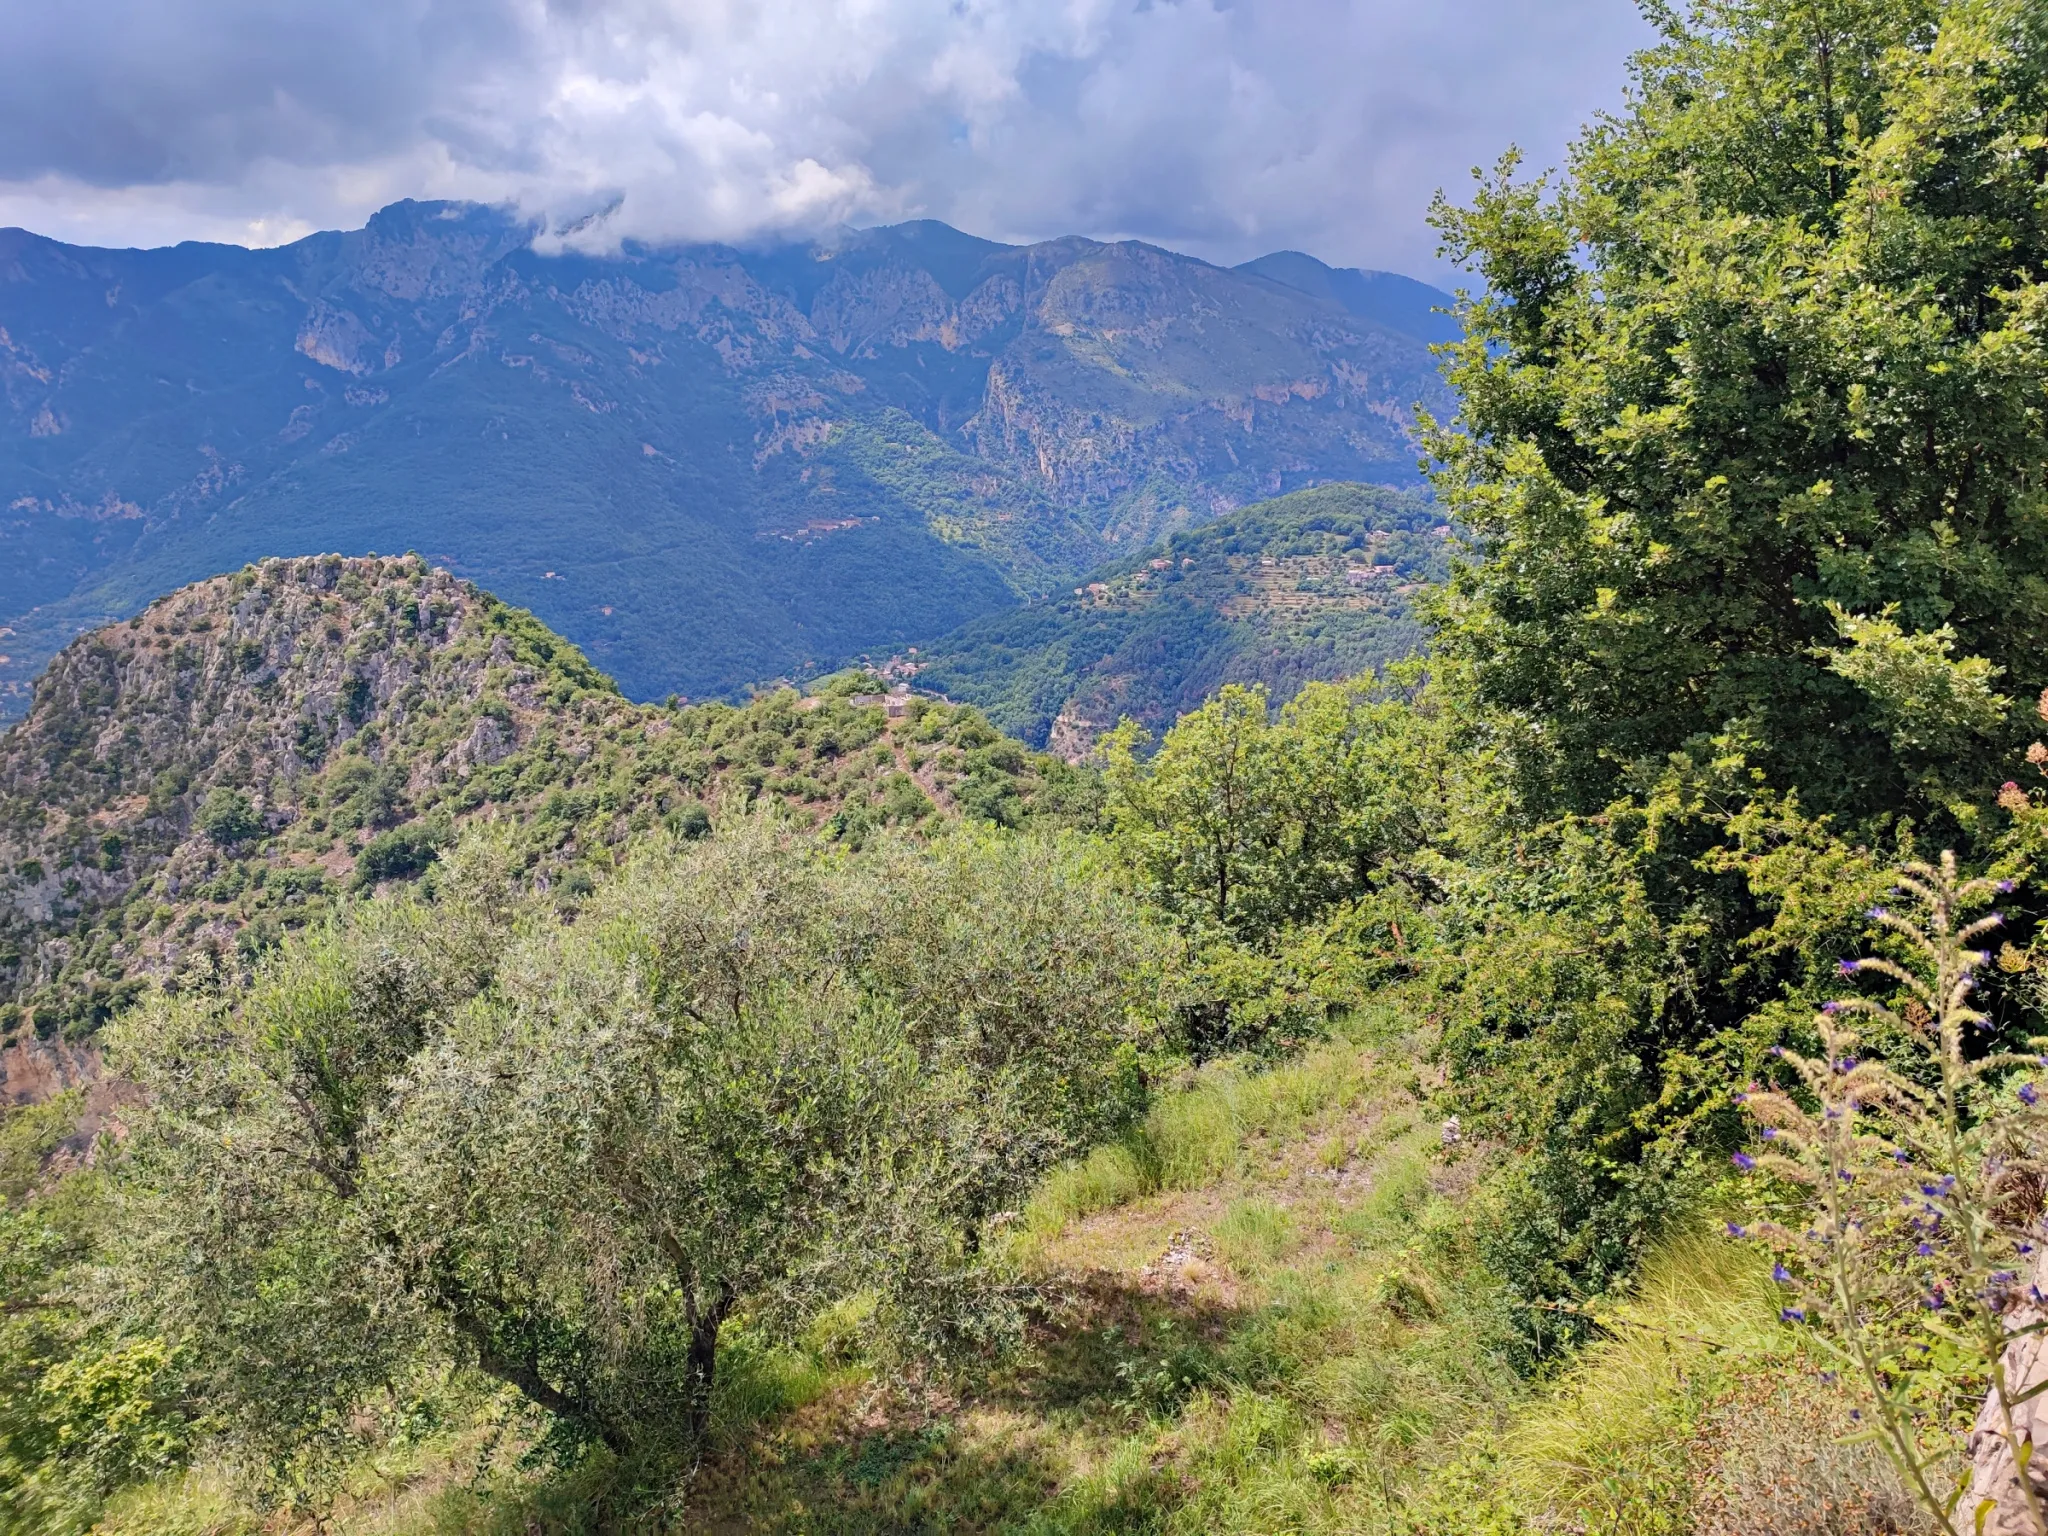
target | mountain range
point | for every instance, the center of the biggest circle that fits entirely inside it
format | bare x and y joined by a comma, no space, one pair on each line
706,466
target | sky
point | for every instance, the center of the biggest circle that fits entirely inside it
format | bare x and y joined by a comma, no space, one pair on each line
1226,128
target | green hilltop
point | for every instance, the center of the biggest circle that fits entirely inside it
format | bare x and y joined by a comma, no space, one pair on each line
1311,586
192,783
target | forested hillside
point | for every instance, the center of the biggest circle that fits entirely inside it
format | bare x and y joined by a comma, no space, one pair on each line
1309,587
705,466
1589,1081
191,783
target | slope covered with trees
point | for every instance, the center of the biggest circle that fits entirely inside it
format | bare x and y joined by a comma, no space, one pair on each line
706,466
1309,587
1589,1082
191,783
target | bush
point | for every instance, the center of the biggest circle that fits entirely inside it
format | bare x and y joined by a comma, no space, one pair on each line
403,853
228,818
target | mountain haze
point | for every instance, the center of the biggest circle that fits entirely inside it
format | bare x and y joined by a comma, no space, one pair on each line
704,465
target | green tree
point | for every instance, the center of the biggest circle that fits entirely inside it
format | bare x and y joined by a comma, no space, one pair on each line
1771,351
83,1407
1289,848
228,818
1017,964
751,1078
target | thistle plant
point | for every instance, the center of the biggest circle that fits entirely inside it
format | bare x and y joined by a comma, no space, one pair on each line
1922,1214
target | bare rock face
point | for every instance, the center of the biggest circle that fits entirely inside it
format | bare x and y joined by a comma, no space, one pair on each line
34,1071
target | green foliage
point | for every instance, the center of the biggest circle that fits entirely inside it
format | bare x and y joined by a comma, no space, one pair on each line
499,719
751,1081
1288,850
403,853
83,1409
1769,350
1932,704
228,818
1315,585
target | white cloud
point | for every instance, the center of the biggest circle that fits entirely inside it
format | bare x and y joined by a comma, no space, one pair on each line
1227,127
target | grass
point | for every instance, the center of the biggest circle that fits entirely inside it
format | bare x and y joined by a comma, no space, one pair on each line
1270,1317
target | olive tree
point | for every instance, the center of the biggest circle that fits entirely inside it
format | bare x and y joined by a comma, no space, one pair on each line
750,1077
1022,972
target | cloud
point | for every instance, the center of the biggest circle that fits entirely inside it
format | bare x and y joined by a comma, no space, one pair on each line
1226,127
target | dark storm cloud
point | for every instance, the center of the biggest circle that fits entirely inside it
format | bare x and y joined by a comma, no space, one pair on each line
1226,128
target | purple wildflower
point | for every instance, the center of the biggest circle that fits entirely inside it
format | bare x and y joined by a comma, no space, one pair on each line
1735,1230
2005,887
1925,1250
1849,967
1792,1315
1780,1273
2029,1095
1743,1161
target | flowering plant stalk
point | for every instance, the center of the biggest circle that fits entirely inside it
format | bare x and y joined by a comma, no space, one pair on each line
1922,1178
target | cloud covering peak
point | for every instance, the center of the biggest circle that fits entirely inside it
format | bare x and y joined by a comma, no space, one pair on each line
1225,127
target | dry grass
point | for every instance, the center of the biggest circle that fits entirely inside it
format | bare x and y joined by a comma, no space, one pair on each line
1776,1458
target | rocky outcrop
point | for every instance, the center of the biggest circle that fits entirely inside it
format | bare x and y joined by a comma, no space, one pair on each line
326,699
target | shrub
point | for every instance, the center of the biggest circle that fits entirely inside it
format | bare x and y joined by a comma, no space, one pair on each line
228,818
403,853
1921,1182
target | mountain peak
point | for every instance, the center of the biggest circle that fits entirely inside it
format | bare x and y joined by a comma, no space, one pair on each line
1385,298
706,464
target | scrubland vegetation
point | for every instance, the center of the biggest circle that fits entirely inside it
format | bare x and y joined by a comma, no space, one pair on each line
1588,1081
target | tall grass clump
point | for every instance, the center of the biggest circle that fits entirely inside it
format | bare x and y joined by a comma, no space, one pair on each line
1610,1443
1197,1137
